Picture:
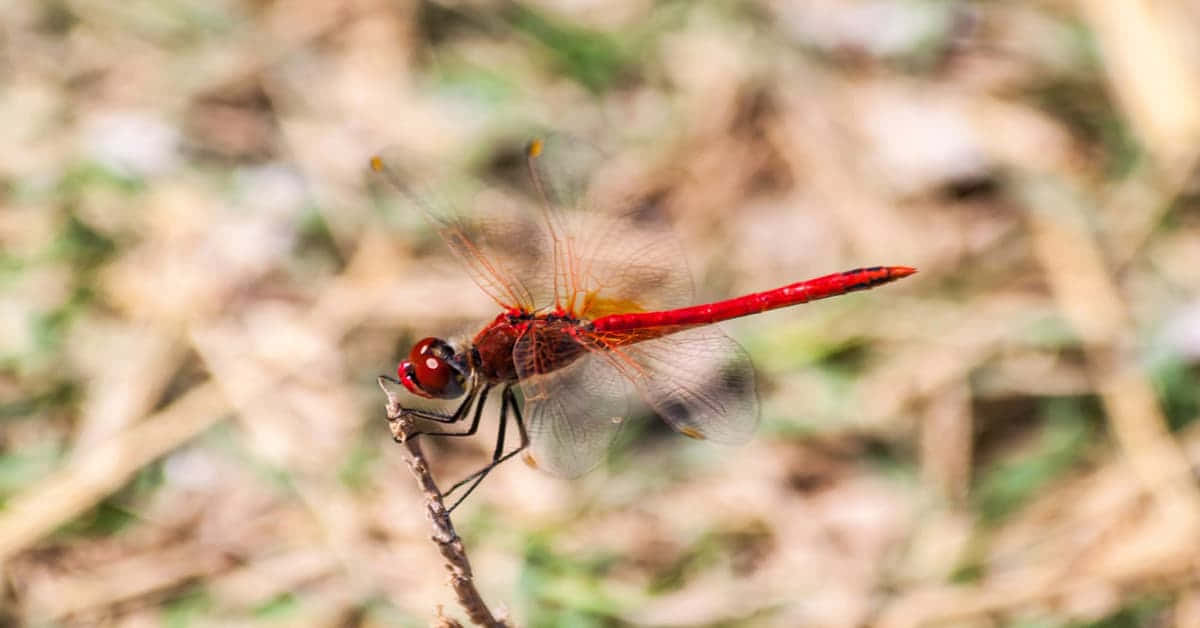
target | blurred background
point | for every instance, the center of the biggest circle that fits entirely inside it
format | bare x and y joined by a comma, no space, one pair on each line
199,288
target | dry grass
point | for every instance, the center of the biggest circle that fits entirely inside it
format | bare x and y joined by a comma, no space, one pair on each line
199,289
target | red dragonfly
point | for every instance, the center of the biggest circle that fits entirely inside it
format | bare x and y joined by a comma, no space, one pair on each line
594,305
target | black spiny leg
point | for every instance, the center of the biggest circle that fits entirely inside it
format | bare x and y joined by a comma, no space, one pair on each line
454,417
507,400
459,413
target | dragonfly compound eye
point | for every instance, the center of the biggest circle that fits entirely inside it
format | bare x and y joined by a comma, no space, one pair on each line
432,370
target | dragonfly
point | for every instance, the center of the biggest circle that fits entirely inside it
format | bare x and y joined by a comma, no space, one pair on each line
595,309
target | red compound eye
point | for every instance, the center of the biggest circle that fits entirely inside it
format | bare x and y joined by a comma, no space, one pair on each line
430,366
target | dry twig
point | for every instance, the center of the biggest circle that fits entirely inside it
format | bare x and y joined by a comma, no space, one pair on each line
448,542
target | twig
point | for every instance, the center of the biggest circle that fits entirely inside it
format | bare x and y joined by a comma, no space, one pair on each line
448,542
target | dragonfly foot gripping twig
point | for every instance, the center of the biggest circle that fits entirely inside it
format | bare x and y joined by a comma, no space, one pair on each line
448,542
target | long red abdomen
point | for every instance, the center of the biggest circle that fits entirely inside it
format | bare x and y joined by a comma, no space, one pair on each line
793,294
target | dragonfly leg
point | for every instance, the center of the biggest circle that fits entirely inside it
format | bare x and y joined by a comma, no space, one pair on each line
507,400
442,417
457,416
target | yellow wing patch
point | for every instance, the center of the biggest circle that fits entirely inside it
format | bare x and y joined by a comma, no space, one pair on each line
595,306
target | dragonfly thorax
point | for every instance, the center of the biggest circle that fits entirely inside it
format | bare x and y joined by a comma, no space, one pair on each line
517,345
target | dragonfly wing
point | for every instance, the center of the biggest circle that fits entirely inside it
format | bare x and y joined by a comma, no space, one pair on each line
612,247
699,380
572,412
581,236
503,246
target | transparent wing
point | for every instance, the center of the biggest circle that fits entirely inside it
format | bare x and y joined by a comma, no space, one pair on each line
699,380
572,411
502,245
611,247
574,232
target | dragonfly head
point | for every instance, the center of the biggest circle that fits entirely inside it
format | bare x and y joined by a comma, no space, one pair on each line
433,371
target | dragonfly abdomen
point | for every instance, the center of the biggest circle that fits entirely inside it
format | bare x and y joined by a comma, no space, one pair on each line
792,294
